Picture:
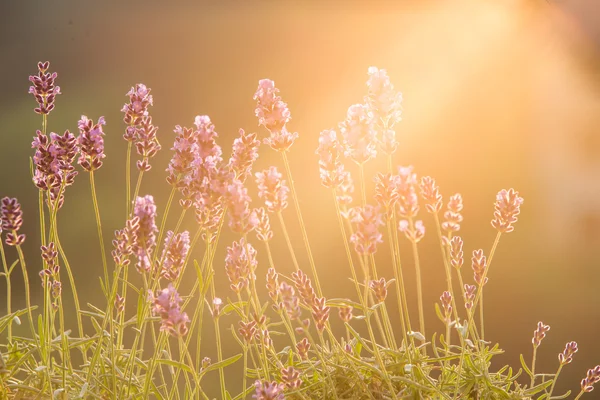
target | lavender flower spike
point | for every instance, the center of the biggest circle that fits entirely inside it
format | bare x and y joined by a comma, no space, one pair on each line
91,143
174,254
167,304
145,211
12,219
43,89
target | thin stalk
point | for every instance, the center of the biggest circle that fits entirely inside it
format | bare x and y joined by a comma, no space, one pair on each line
481,312
137,189
71,282
27,289
220,356
580,394
302,225
8,290
483,278
288,241
99,227
128,180
533,365
161,231
384,315
419,284
554,381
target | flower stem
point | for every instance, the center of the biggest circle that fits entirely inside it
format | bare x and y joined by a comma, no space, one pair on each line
533,366
554,381
99,228
302,225
419,284
128,180
8,290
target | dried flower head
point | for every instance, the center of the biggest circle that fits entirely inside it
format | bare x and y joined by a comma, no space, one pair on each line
56,289
268,390
456,252
91,143
12,219
359,134
167,305
592,377
507,207
539,334
272,188
145,236
174,254
567,355
290,377
453,216
244,154
479,265
366,235
431,194
44,89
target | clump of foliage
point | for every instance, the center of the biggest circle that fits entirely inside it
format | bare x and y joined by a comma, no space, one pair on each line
324,356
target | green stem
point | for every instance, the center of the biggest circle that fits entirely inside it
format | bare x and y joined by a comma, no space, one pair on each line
288,241
137,190
27,289
99,228
533,366
128,181
302,225
554,381
164,218
419,284
8,290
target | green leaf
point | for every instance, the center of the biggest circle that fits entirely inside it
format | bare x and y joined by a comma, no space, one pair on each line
13,266
175,364
221,364
439,314
140,309
538,388
564,396
237,306
525,367
7,319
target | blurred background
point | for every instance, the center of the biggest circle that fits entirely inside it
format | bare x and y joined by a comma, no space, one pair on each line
496,95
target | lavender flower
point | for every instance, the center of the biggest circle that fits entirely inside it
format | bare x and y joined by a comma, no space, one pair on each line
386,191
167,305
385,104
345,313
91,143
507,207
414,232
44,89
592,377
146,143
181,165
240,264
331,168
567,355
241,218
446,299
12,219
359,134
273,114
177,247
291,378
268,390
479,265
539,334
273,284
304,288
272,188
124,241
302,347
379,288
245,153
431,195
368,219
263,227
469,295
290,301
137,108
408,201
456,252
453,216
145,238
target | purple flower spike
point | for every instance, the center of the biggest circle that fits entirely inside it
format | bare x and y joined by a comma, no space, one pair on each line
91,143
145,211
174,254
12,219
43,89
167,305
